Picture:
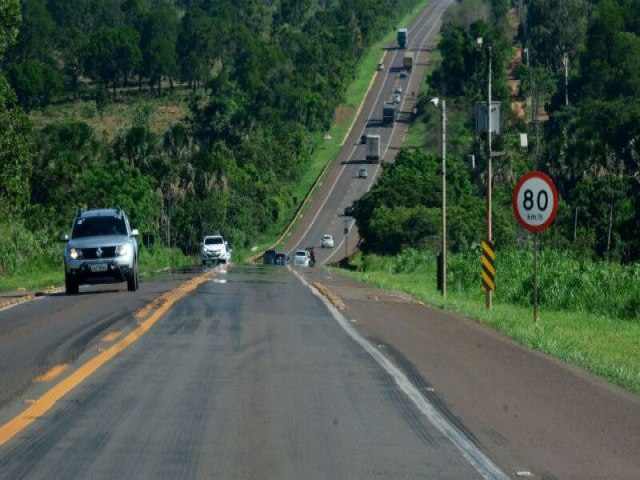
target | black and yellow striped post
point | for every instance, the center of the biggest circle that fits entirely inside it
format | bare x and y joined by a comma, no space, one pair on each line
488,266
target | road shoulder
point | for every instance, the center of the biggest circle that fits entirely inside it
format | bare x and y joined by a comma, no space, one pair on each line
528,411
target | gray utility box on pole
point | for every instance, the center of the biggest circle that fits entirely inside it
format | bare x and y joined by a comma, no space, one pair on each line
481,118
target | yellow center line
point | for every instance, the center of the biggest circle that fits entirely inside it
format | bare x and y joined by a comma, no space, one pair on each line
43,404
111,336
52,373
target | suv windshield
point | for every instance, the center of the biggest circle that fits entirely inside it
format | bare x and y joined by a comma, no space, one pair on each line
213,241
96,226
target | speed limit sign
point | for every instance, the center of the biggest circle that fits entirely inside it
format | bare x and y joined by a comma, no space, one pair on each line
535,201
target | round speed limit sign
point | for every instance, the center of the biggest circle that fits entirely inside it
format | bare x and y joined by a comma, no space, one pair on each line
535,201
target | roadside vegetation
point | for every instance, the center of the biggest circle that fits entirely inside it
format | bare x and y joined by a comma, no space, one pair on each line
194,117
568,94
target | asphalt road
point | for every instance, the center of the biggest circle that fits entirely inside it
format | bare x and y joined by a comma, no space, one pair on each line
56,329
342,186
249,376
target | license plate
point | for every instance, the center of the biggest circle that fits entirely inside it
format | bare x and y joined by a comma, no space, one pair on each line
99,267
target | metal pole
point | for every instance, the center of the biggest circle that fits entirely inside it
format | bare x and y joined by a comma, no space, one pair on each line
346,242
444,198
535,278
489,297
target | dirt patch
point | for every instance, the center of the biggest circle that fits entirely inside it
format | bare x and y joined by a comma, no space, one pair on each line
343,113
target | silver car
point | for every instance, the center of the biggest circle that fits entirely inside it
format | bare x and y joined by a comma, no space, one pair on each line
301,258
102,248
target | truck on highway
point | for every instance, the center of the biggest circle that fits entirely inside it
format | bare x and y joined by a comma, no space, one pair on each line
407,60
403,37
373,148
389,113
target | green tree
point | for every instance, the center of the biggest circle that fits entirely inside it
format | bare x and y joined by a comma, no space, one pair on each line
35,83
196,47
16,148
556,33
37,35
159,32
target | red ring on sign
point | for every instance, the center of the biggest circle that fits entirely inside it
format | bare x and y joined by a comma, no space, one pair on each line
514,201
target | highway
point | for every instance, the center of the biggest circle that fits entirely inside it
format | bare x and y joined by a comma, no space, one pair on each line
238,380
341,186
269,372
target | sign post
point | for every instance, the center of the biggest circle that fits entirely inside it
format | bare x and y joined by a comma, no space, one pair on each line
535,205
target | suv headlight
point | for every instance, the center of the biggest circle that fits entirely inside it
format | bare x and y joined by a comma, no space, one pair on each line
75,253
123,250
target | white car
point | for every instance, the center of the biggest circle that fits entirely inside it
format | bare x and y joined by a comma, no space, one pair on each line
380,67
215,249
326,241
363,172
397,98
398,89
301,258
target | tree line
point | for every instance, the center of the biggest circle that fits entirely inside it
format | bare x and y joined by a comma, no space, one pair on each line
580,67
269,75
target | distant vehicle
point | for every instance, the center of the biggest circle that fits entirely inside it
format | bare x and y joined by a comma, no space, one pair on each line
398,89
280,258
389,113
403,37
102,249
348,211
407,60
404,74
312,256
380,66
397,98
373,148
326,241
215,249
301,258
269,257
363,172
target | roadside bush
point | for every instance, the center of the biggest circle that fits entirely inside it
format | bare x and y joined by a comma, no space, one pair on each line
22,251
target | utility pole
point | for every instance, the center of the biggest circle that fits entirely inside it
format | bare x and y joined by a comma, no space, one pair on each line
435,101
489,296
444,198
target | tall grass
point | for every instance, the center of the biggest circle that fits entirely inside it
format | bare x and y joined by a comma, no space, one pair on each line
565,282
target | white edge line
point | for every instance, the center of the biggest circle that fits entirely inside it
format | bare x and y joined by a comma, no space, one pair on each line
478,460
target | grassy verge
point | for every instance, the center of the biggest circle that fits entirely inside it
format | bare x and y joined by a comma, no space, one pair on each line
603,345
40,276
329,146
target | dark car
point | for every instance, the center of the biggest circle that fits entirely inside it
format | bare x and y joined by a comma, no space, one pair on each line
269,257
348,211
280,258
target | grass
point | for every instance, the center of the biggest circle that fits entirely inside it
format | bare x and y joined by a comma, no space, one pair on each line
166,110
45,274
604,345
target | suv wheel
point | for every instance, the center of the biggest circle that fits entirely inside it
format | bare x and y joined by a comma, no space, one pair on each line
132,280
70,285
